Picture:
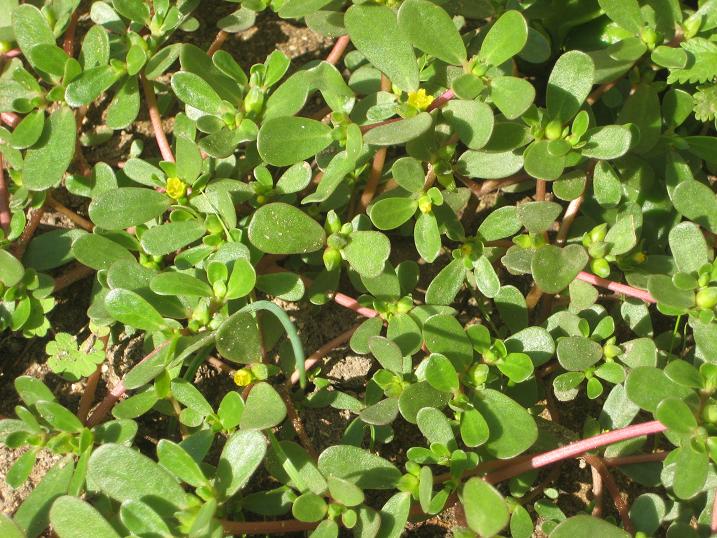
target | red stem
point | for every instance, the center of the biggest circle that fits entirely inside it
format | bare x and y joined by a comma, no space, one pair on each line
266,527
113,396
217,43
620,505
4,201
10,119
68,44
338,50
154,117
77,273
575,449
28,232
616,287
353,304
324,350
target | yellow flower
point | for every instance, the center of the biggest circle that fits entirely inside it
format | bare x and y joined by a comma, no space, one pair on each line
420,99
243,377
176,188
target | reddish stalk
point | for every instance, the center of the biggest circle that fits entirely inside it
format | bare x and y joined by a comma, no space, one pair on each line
598,92
88,395
69,42
353,304
74,217
217,43
12,53
113,396
154,117
324,350
713,520
338,49
4,201
571,214
298,424
369,191
24,239
573,450
540,188
620,505
10,119
635,459
616,287
597,492
491,185
77,273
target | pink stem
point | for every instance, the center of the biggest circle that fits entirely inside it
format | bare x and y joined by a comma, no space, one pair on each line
156,120
324,350
338,50
13,53
616,287
352,304
575,449
713,521
113,396
4,201
10,119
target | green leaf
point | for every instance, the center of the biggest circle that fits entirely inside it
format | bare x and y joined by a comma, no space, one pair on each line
538,217
29,130
554,268
625,13
71,517
472,120
441,374
128,206
309,507
512,95
473,427
676,415
691,470
367,252
177,461
569,85
134,10
298,233
31,28
9,529
399,132
11,269
584,525
47,160
99,252
490,164
175,283
642,109
131,309
697,202
445,286
408,173
238,339
194,91
431,30
124,108
541,163
394,515
647,386
486,510
666,293
427,236
444,334
59,417
123,474
512,429
166,238
358,466
20,470
500,223
141,519
375,32
505,39
392,212
293,9
241,456
381,413
608,142
434,426
287,140
263,409
689,247
387,353
578,353
90,85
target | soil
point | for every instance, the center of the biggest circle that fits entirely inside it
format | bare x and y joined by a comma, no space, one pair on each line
316,325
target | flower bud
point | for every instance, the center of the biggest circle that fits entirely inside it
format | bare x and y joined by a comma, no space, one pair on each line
611,351
599,232
600,267
243,377
254,100
709,413
478,374
553,130
425,204
707,298
332,259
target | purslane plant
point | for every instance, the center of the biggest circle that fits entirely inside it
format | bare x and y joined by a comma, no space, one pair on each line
464,176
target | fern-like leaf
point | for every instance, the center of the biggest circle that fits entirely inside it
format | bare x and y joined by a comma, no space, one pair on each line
701,62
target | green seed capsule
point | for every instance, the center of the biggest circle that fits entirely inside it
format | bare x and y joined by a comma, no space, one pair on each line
600,267
553,130
706,298
332,259
709,414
